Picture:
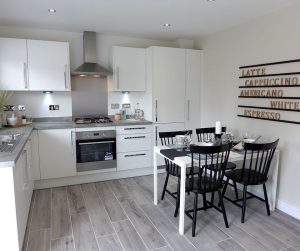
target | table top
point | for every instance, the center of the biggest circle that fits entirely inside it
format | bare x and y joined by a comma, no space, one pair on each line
186,160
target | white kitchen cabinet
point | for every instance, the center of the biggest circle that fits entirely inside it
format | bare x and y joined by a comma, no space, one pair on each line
134,147
134,160
129,68
23,188
57,153
48,65
193,70
166,69
13,64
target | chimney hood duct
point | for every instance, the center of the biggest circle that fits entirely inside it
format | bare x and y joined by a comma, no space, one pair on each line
90,67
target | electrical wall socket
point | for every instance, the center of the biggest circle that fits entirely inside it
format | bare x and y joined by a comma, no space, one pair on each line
115,106
21,108
53,107
9,108
127,105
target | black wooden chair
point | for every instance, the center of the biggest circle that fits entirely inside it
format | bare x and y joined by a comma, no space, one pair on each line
253,172
212,161
168,138
206,133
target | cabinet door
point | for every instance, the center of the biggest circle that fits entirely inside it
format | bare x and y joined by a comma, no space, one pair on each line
20,196
193,87
13,64
168,79
48,64
129,67
57,153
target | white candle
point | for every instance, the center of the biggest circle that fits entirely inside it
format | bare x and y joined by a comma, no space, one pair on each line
218,127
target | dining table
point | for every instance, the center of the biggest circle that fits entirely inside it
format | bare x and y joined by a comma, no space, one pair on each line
182,158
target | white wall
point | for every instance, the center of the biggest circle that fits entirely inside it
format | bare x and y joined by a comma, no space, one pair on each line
104,42
272,38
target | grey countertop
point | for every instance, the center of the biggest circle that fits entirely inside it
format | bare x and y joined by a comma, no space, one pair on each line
8,159
71,124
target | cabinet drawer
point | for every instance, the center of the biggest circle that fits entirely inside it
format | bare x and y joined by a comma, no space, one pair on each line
135,129
133,160
133,142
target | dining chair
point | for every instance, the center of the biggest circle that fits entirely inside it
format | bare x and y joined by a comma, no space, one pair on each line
205,134
253,172
168,138
210,163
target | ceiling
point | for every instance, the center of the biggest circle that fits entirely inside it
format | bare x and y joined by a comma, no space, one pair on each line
142,18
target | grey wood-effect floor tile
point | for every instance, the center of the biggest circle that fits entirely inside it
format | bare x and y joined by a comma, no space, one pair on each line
63,244
60,220
277,230
41,210
152,238
128,236
230,245
257,232
242,237
26,236
167,248
167,229
143,184
84,237
76,202
111,203
109,243
206,237
39,240
117,188
134,191
99,217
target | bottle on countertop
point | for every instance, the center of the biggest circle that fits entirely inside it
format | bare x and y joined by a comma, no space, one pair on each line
138,112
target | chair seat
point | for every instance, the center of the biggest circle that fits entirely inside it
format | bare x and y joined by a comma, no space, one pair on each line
192,185
250,177
188,172
230,166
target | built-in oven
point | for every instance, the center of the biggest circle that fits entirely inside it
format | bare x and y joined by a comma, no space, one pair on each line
95,150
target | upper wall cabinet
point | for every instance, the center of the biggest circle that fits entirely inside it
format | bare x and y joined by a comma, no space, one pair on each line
166,74
48,65
34,65
129,68
13,64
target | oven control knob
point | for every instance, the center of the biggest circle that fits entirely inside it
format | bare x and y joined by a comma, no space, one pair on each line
103,134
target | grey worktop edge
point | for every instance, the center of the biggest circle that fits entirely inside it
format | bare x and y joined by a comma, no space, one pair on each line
12,157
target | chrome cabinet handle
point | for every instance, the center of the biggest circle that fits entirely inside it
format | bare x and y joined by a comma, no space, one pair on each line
25,76
98,142
135,137
134,155
26,181
156,110
188,109
156,136
118,82
72,142
65,76
134,128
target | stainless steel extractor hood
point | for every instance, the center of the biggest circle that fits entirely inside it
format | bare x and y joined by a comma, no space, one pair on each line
90,67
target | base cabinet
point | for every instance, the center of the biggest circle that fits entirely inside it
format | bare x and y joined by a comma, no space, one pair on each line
134,145
57,153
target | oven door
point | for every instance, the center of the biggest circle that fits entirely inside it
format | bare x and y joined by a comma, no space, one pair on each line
96,154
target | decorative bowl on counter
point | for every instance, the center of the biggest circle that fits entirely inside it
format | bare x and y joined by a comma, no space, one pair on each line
12,121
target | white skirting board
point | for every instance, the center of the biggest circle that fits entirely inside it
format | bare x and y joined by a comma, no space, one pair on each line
288,209
95,177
